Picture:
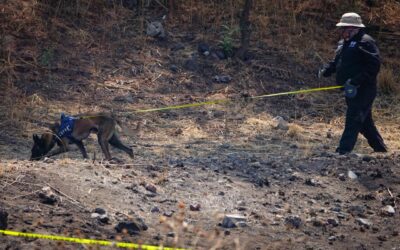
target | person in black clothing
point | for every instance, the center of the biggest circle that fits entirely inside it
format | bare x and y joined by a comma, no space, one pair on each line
356,65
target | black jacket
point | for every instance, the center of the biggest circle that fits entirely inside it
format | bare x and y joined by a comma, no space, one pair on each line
357,59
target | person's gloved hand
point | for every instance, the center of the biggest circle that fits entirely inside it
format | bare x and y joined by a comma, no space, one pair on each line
350,90
321,72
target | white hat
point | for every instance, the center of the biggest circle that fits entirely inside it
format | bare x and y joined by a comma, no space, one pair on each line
350,19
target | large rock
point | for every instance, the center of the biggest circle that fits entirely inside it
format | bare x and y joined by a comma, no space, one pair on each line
233,220
131,227
155,29
47,196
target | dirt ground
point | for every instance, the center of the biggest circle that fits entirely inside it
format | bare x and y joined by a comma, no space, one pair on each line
293,191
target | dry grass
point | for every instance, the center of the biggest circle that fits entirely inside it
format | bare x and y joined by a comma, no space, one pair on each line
389,82
295,132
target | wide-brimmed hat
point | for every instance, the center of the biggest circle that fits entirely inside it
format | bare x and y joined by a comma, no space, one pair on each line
350,19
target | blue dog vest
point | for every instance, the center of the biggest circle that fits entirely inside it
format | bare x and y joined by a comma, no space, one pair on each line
66,126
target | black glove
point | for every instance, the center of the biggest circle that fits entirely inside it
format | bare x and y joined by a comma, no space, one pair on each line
321,72
350,90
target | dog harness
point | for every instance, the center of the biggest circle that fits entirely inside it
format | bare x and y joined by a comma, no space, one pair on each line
66,126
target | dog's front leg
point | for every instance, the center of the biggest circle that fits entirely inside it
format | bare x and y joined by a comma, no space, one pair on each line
62,148
82,149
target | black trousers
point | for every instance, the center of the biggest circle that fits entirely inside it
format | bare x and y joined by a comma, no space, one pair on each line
359,120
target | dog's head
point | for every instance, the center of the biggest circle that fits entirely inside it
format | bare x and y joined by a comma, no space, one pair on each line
41,146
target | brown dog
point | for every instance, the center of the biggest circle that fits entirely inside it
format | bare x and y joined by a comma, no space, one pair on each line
75,129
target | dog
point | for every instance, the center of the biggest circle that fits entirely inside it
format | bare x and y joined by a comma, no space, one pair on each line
74,129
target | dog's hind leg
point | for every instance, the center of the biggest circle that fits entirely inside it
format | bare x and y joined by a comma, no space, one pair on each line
116,142
82,149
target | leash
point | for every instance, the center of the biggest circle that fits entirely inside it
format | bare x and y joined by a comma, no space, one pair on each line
197,104
220,101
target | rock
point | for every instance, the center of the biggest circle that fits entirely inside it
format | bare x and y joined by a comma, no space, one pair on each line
195,207
364,222
280,123
169,213
356,210
171,234
155,29
102,217
174,68
203,49
333,222
310,182
131,227
3,219
332,238
48,160
261,181
155,210
233,220
366,158
222,78
342,177
151,188
351,175
100,210
293,221
388,211
47,196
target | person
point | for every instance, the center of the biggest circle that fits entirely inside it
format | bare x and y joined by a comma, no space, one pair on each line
356,64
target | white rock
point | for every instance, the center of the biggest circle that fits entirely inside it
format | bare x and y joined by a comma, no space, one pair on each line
351,175
280,123
388,210
364,222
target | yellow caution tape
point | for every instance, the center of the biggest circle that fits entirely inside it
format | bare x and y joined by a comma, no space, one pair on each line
229,100
86,241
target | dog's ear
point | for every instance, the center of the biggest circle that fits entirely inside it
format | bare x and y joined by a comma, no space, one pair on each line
36,138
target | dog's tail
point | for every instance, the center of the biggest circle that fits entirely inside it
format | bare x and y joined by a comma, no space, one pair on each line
129,131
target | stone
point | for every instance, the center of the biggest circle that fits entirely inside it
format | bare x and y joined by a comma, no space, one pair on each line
47,196
351,175
280,123
3,219
151,188
155,210
356,210
100,210
131,227
222,78
310,182
195,207
233,220
364,222
203,49
333,222
388,210
293,221
155,29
